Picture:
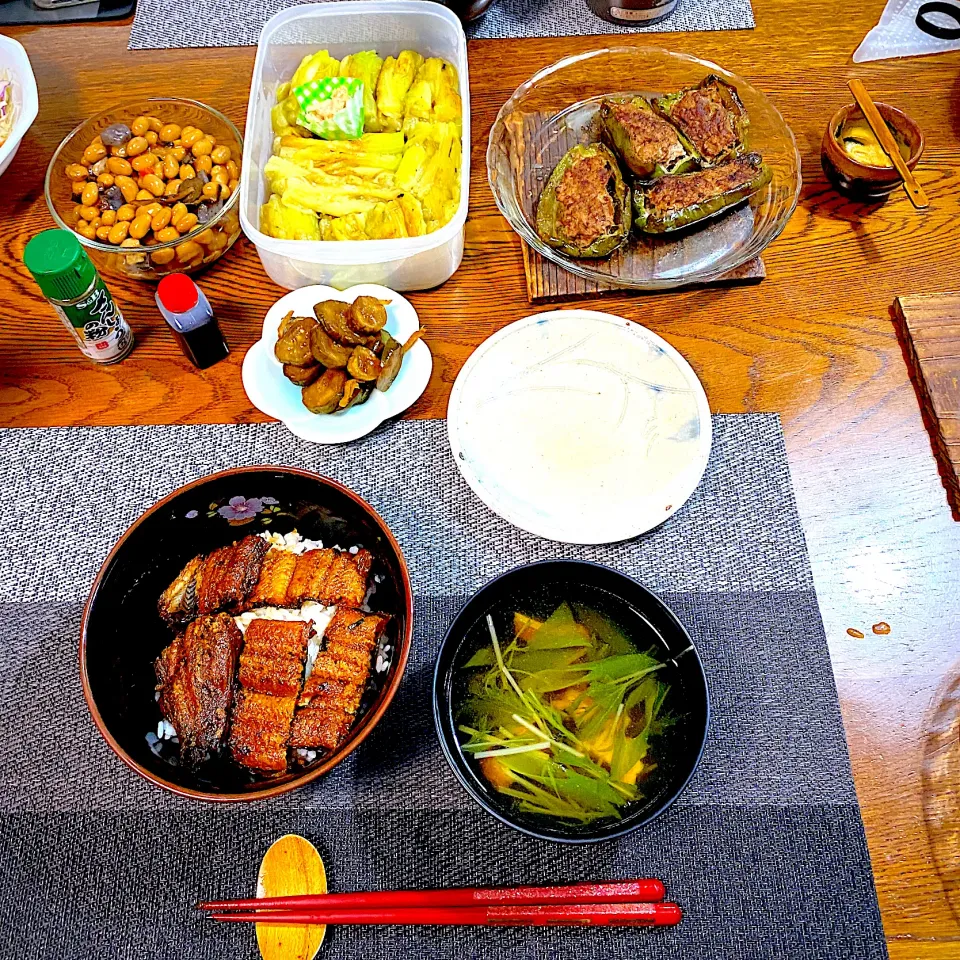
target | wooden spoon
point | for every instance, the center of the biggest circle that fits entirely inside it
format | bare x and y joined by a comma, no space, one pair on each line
291,867
890,148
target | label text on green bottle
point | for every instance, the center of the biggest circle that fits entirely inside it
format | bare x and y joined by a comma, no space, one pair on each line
97,325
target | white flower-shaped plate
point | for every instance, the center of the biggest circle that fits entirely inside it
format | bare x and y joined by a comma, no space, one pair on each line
271,392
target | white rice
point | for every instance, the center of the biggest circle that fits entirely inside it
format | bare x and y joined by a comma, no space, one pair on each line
291,542
311,612
166,731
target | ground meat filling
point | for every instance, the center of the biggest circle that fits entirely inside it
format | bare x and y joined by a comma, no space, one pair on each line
585,208
671,194
703,116
652,138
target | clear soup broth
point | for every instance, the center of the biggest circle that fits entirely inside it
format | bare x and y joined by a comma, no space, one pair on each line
567,705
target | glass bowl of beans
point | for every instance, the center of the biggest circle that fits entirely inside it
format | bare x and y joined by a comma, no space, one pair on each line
149,187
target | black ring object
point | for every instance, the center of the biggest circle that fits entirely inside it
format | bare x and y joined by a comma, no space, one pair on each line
933,29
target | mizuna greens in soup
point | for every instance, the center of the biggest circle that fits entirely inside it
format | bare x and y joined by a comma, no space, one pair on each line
564,714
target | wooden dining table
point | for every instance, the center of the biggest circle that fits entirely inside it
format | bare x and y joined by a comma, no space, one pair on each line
813,342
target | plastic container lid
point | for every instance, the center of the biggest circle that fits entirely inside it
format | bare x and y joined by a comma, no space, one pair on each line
178,293
59,264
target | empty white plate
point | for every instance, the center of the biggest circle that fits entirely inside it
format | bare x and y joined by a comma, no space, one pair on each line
270,391
579,426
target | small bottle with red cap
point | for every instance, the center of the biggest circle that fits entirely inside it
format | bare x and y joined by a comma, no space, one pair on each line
190,316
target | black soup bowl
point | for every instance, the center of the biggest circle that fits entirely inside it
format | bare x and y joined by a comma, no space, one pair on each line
122,634
538,589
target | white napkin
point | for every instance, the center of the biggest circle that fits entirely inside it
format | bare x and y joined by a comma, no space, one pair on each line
897,34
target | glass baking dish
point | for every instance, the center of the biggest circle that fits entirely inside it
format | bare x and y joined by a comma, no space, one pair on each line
557,109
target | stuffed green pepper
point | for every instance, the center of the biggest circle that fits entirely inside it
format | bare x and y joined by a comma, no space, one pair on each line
711,116
675,202
648,145
584,210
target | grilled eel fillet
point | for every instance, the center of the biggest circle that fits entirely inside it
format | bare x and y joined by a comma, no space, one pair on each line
251,574
328,704
195,674
219,581
270,678
327,576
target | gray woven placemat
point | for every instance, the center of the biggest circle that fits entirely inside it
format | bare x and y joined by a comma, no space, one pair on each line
765,849
167,24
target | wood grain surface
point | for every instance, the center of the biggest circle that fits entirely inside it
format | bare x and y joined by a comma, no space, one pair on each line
929,327
548,282
814,342
292,867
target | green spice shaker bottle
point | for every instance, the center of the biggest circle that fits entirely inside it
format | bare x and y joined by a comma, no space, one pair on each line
71,284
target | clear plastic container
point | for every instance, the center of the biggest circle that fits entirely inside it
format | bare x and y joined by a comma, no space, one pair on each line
387,26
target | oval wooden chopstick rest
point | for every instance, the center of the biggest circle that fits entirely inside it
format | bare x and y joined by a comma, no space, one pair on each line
291,867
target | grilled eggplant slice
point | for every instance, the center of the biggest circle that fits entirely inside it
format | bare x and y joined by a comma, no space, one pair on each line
584,210
324,394
672,203
711,116
646,144
332,315
294,344
302,376
366,315
326,350
389,367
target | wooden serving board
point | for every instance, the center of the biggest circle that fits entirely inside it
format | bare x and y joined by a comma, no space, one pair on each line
547,280
929,328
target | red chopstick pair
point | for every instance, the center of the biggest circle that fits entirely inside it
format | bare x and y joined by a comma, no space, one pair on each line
633,903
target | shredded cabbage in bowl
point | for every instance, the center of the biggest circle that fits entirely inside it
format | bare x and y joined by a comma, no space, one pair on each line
7,106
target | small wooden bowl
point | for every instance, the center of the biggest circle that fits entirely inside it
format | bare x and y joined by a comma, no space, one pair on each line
863,180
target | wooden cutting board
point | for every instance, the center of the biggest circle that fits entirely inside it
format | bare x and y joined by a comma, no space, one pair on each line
929,328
